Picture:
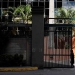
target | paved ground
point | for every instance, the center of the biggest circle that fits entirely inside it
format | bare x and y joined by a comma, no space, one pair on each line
17,69
52,71
55,71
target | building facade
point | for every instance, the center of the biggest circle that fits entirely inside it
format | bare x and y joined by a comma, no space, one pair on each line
30,40
4,4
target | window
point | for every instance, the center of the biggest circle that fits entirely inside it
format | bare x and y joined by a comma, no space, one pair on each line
5,0
59,4
35,3
59,0
0,4
55,6
71,0
17,4
47,11
11,0
71,3
11,4
41,3
17,0
4,4
47,0
23,3
46,4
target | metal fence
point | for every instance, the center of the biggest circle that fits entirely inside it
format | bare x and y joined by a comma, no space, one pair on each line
57,43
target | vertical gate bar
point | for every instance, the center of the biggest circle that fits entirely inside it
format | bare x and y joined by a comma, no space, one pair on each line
64,32
26,44
61,48
44,47
71,43
26,48
65,43
55,43
30,47
57,46
57,37
52,49
64,35
46,51
62,55
65,38
59,53
68,45
49,63
49,49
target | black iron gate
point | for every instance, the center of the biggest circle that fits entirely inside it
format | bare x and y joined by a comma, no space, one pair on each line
57,45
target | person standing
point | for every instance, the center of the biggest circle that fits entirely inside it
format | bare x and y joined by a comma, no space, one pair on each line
72,58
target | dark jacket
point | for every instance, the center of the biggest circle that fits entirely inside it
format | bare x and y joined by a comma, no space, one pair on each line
72,57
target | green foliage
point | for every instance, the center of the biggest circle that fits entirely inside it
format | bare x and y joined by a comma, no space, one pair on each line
22,12
7,60
65,13
66,46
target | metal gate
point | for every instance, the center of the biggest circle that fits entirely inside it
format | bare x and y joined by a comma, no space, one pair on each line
57,45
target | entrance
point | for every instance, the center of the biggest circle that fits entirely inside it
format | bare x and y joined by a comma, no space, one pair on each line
57,45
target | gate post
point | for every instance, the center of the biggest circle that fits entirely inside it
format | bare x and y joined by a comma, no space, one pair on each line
37,36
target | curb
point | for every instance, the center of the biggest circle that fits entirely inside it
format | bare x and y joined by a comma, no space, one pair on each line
18,69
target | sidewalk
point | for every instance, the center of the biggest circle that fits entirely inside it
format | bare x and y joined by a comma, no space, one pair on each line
53,71
17,69
24,69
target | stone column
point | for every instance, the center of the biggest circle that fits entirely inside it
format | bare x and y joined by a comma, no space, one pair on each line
37,36
51,21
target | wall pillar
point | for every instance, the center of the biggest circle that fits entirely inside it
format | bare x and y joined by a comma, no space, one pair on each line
37,36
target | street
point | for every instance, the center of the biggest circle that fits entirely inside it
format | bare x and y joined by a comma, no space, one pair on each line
53,71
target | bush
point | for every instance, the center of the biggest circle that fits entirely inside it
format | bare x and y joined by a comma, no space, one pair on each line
10,60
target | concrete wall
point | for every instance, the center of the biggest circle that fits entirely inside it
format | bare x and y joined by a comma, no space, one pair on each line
55,54
17,46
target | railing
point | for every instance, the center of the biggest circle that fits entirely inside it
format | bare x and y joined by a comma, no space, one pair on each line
59,20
